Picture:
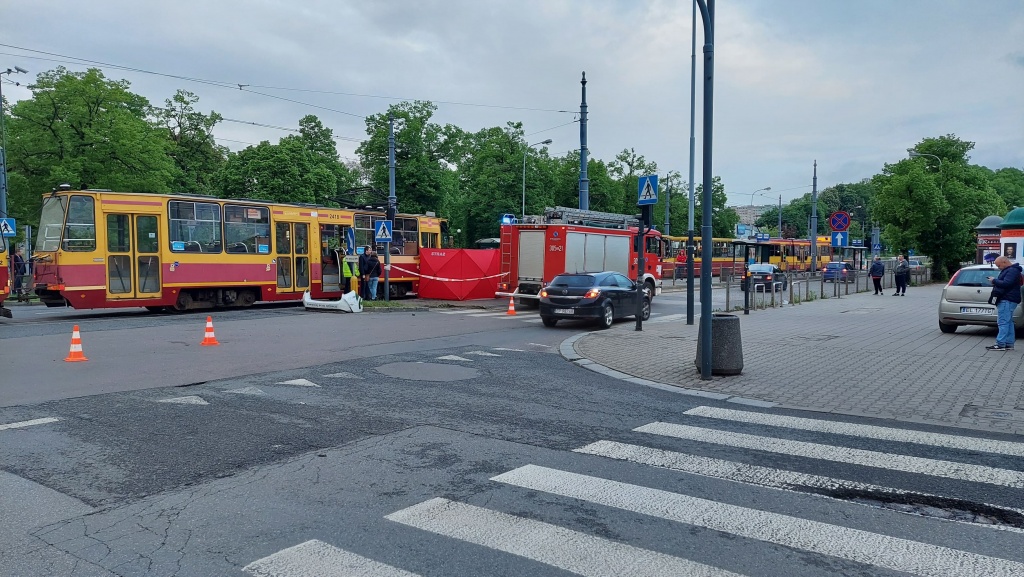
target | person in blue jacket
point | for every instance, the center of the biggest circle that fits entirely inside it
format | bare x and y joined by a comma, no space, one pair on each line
1006,295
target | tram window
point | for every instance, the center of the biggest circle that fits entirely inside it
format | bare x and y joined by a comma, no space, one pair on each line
119,237
194,226
364,228
404,236
244,226
80,228
429,240
283,240
301,238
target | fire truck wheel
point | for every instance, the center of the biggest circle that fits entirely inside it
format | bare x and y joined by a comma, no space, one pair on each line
548,321
649,289
607,316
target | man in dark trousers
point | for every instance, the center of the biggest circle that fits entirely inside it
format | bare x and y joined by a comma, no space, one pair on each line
876,272
19,272
364,273
1006,294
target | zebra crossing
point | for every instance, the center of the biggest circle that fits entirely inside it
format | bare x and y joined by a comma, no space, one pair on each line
907,544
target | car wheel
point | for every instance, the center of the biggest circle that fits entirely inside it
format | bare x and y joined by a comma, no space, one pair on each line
548,321
645,310
607,316
947,328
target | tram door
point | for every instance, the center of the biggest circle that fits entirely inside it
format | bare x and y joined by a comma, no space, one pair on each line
291,240
133,259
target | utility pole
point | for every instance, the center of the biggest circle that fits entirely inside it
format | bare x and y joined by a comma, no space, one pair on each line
584,181
814,221
392,205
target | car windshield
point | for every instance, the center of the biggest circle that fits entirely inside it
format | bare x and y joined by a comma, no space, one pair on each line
835,265
573,280
760,268
975,277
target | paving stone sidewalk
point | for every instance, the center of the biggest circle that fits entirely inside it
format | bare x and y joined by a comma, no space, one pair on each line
865,355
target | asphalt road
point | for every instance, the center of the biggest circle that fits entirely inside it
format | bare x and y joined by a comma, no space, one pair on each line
455,442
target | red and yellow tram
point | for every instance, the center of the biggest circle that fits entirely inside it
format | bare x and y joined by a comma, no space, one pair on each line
5,275
102,249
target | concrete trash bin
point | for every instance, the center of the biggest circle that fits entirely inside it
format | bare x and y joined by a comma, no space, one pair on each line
726,345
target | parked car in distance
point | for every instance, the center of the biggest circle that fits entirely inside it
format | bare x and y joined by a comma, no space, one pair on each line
964,300
915,265
838,272
771,277
601,296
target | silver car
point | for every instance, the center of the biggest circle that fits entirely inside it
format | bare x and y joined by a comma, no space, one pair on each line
965,300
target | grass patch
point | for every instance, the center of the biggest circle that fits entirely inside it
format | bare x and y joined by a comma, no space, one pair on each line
387,304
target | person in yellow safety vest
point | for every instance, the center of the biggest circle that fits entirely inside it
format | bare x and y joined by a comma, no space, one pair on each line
348,271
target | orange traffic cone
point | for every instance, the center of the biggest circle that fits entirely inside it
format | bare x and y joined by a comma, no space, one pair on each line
76,355
511,306
209,340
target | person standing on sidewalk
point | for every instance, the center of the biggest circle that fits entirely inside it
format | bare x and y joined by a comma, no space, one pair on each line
373,271
20,270
902,275
1006,294
876,272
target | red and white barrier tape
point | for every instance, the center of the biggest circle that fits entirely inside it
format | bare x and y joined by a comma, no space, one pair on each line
442,279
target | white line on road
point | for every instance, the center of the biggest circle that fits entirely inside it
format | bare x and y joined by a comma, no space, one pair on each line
482,354
322,560
905,463
299,383
566,549
459,311
502,314
186,400
749,474
817,537
454,358
866,431
31,423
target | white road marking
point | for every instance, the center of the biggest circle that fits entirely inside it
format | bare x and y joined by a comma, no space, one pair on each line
458,311
187,400
566,549
343,375
482,354
749,474
33,422
298,383
866,431
513,350
822,538
499,314
248,391
539,345
454,358
322,560
905,463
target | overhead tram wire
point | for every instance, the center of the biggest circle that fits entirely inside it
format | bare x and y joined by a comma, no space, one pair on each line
243,86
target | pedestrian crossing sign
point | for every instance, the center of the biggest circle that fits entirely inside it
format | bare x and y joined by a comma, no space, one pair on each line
7,227
383,232
647,190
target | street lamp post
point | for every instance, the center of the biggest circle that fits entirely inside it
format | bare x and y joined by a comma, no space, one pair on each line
525,150
753,220
914,154
3,143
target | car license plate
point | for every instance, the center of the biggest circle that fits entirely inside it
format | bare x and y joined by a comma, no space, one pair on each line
563,311
977,311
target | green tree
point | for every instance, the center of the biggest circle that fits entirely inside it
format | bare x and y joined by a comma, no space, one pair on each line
626,169
934,207
301,168
195,152
85,130
723,218
1009,185
426,154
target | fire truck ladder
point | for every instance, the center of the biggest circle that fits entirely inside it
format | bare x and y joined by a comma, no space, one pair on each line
506,252
590,217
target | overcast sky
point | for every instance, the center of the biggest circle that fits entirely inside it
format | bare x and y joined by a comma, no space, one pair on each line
851,84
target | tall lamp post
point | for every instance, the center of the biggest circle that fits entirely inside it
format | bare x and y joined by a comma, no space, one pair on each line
3,144
525,150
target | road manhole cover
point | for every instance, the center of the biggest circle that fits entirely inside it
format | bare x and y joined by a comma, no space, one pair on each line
427,372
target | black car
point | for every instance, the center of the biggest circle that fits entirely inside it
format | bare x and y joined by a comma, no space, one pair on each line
769,276
604,296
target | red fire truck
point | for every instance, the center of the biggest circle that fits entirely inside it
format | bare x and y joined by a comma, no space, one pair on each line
572,240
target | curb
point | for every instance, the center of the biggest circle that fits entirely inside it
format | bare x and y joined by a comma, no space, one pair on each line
567,349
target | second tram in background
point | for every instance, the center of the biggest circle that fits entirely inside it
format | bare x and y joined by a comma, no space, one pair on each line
100,249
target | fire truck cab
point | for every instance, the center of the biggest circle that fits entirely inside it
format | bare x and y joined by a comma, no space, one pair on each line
572,240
